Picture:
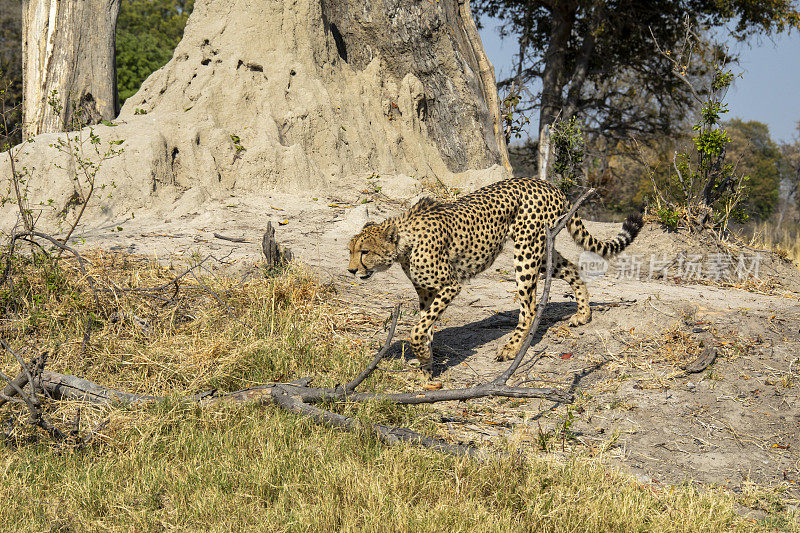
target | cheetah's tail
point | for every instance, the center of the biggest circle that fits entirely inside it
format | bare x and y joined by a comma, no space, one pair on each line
610,247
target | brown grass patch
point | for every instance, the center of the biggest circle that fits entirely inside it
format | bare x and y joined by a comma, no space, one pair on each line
177,465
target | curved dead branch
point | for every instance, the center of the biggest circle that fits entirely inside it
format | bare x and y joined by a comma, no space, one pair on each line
388,434
350,387
298,396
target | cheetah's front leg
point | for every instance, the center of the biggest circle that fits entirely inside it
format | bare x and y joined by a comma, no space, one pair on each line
422,334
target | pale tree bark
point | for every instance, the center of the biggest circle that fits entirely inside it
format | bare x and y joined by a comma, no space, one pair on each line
68,47
489,84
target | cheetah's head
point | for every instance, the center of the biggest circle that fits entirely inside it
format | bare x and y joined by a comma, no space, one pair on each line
373,250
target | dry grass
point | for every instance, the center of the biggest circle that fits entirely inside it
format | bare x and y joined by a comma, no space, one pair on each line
784,241
176,465
235,468
164,343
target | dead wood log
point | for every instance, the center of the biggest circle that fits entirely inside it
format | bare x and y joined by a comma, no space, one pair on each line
15,386
10,390
274,254
68,387
702,361
30,397
390,435
231,239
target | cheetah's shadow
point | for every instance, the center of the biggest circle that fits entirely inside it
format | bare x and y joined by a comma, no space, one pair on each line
454,345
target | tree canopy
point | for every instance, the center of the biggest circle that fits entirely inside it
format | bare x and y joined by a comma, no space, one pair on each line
600,59
10,70
147,33
756,156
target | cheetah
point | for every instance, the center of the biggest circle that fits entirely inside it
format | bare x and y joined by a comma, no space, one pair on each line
439,245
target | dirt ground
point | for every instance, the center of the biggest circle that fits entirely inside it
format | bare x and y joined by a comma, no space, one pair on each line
734,423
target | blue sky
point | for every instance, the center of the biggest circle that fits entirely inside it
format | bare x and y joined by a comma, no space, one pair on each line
769,90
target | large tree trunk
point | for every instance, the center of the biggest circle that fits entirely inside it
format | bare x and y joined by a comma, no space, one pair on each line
555,65
68,47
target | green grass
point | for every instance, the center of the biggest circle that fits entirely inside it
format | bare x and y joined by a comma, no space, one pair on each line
229,468
181,466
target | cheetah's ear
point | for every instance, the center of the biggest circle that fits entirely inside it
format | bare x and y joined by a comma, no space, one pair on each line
390,233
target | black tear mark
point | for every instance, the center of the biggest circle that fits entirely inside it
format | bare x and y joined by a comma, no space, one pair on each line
339,40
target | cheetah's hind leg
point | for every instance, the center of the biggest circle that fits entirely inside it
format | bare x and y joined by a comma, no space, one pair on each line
527,256
564,269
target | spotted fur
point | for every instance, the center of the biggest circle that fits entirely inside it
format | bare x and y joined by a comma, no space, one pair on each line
439,245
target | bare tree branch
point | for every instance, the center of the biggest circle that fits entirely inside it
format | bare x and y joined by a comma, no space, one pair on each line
350,387
388,434
297,396
74,388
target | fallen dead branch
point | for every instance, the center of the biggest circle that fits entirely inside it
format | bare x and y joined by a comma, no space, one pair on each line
29,374
702,362
231,239
388,434
63,386
298,396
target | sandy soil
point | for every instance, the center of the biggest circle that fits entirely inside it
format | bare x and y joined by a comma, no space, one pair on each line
736,422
